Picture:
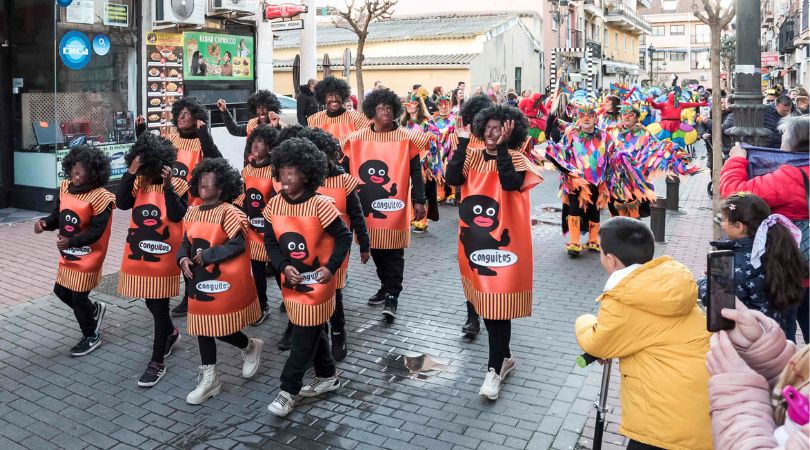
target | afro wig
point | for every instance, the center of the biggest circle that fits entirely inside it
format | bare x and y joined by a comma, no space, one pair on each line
303,155
287,133
379,97
502,113
329,85
473,106
226,178
155,152
193,105
324,141
263,98
94,161
264,133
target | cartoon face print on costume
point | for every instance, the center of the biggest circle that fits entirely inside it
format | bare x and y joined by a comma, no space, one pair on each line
374,176
201,274
480,214
180,170
145,241
295,247
254,205
69,226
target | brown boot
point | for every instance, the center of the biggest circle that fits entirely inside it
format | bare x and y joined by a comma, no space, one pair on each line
574,245
593,237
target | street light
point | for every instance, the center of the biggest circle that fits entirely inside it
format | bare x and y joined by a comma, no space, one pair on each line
650,52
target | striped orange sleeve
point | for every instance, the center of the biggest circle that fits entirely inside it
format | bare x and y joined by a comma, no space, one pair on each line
234,221
101,199
267,211
519,160
180,186
325,211
136,186
452,138
420,141
465,169
360,120
350,183
239,201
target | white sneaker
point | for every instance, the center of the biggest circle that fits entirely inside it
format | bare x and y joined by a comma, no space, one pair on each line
252,357
491,386
320,386
509,364
208,386
282,405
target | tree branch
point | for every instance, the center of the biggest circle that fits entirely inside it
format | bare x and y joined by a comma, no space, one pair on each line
728,15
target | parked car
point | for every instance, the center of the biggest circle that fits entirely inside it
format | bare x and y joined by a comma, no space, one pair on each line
289,109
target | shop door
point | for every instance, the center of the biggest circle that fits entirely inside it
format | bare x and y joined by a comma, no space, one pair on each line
6,152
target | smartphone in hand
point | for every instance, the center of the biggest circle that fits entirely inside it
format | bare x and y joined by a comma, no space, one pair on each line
719,289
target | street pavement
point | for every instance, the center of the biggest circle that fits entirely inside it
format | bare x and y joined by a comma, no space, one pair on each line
51,400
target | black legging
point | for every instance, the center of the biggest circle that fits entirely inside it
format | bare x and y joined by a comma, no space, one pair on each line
260,276
208,345
500,333
81,305
338,320
163,326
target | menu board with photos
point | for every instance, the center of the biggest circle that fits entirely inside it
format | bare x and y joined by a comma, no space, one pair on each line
164,79
212,56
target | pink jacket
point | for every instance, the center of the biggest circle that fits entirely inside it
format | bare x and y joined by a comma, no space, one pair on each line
742,415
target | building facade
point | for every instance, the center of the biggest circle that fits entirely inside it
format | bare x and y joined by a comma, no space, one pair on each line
784,42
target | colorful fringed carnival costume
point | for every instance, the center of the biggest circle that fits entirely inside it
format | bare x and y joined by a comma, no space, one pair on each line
671,127
592,171
634,140
444,127
433,160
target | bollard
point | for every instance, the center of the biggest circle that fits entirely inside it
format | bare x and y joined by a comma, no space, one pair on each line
673,192
658,219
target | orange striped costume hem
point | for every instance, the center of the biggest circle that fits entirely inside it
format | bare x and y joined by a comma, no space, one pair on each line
258,252
77,281
148,287
216,325
342,275
309,315
389,239
498,306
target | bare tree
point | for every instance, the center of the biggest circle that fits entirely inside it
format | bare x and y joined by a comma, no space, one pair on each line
717,18
357,19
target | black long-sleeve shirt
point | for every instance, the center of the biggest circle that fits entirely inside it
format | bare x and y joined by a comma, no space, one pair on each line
234,128
337,229
176,205
354,209
93,231
234,246
511,179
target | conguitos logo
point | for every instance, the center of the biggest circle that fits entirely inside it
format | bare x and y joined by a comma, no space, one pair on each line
78,251
74,50
155,247
309,278
388,204
213,286
493,258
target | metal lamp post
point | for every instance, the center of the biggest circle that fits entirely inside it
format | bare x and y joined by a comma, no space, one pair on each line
650,52
748,108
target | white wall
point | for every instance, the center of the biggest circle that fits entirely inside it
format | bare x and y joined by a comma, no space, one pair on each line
502,54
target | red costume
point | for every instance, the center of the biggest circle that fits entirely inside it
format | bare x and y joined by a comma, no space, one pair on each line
671,111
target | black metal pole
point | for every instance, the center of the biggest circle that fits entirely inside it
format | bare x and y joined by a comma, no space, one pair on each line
748,108
658,219
673,192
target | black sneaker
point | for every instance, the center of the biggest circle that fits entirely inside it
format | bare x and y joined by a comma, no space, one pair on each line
390,308
264,316
472,327
154,372
98,314
173,339
285,343
339,346
86,345
181,309
377,299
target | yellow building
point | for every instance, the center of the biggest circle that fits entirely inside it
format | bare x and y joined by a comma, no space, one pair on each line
624,28
437,50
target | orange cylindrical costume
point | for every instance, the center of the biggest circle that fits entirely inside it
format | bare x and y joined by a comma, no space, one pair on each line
259,187
80,267
221,297
337,189
149,265
495,240
189,154
339,126
381,163
300,230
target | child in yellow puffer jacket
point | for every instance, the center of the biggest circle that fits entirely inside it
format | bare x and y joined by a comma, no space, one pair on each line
649,319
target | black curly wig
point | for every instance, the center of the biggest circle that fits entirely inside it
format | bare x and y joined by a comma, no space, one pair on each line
263,98
503,113
304,156
288,133
155,152
329,85
94,161
227,178
473,106
324,141
194,106
382,97
264,133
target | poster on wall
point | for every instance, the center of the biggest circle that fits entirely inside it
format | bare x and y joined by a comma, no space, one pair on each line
81,11
164,79
115,152
212,56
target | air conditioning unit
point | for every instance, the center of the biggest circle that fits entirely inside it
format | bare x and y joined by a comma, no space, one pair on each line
227,6
178,12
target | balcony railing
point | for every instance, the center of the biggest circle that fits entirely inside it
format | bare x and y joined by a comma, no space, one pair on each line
594,7
618,12
596,48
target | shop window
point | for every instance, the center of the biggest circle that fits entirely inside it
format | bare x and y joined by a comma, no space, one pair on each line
518,78
677,56
702,34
